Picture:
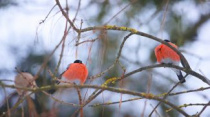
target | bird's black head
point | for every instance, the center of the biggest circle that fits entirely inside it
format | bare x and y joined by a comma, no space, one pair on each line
166,40
77,61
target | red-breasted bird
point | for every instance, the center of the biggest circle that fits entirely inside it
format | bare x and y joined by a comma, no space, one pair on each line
76,71
24,79
165,54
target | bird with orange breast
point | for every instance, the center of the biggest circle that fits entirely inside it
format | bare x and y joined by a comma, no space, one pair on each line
166,55
76,71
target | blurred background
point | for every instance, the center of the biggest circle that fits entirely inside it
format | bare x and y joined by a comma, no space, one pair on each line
26,39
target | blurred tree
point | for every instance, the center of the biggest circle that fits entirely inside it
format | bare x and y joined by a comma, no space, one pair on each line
31,64
7,3
154,16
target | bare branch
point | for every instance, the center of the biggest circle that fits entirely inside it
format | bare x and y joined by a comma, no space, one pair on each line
66,16
112,89
134,31
191,72
150,115
199,114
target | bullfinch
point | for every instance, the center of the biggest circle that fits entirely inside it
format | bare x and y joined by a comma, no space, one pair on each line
76,71
166,55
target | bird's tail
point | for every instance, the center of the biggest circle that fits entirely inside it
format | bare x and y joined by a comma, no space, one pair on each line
180,76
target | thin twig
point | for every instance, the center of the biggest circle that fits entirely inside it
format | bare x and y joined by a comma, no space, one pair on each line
117,102
150,115
92,40
77,11
102,73
189,91
122,45
149,82
46,61
60,101
66,16
164,16
93,96
190,104
80,101
191,72
42,21
116,14
199,114
155,111
9,113
62,49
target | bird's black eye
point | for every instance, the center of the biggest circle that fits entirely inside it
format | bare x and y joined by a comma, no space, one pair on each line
77,61
166,40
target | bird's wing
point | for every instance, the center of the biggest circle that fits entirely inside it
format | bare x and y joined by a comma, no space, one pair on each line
167,52
76,71
158,53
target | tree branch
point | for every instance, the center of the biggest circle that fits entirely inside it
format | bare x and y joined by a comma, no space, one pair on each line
188,71
66,16
112,89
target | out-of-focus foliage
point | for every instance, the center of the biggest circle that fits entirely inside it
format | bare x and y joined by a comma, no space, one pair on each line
140,13
7,3
31,64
